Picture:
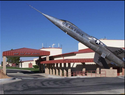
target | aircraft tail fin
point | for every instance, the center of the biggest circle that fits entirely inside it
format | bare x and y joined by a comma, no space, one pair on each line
118,52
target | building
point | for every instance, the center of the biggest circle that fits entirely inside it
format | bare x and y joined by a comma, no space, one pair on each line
78,61
81,60
22,52
30,63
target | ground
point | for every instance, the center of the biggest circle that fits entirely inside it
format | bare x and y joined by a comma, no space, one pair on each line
66,86
37,83
2,75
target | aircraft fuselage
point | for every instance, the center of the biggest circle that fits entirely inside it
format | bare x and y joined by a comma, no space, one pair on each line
91,42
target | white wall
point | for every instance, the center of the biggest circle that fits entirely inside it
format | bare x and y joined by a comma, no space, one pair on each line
9,63
114,43
34,61
53,51
26,64
85,55
77,56
110,43
81,46
66,57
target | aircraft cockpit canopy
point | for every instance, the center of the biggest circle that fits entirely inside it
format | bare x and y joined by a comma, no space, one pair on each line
68,23
73,27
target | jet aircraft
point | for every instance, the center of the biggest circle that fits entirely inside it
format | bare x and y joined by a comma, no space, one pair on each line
104,55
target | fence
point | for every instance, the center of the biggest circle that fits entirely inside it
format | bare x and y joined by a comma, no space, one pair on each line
96,73
92,73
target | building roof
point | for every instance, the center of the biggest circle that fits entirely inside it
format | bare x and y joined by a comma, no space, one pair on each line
27,61
67,61
88,50
26,52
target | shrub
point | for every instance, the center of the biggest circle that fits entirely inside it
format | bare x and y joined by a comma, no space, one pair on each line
35,66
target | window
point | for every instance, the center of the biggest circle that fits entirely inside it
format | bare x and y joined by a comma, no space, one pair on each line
66,24
63,23
74,29
71,28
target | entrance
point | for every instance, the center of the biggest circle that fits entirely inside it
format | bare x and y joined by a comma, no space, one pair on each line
23,52
30,65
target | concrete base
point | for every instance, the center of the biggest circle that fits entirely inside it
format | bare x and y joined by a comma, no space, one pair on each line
46,71
57,72
60,72
69,72
65,73
109,72
50,71
53,70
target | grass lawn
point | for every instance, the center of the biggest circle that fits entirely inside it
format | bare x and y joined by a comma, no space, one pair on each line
1,67
32,69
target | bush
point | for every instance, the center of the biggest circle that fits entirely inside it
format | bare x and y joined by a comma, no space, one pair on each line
35,66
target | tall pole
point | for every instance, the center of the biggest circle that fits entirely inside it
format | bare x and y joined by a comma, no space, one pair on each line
4,64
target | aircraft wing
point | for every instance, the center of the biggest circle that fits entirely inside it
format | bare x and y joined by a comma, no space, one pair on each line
101,61
117,51
96,59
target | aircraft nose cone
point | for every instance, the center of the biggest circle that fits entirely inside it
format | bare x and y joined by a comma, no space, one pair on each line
52,19
47,16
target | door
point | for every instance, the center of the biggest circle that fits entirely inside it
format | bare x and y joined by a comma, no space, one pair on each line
30,65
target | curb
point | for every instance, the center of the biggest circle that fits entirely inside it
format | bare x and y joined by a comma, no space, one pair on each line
59,77
7,79
19,69
122,77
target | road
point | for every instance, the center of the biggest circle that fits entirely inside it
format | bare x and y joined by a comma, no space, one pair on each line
23,74
18,71
86,85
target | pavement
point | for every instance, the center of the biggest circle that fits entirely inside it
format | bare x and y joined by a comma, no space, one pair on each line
40,76
40,83
1,89
65,86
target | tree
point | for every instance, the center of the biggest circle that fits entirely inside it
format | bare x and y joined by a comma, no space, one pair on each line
13,60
